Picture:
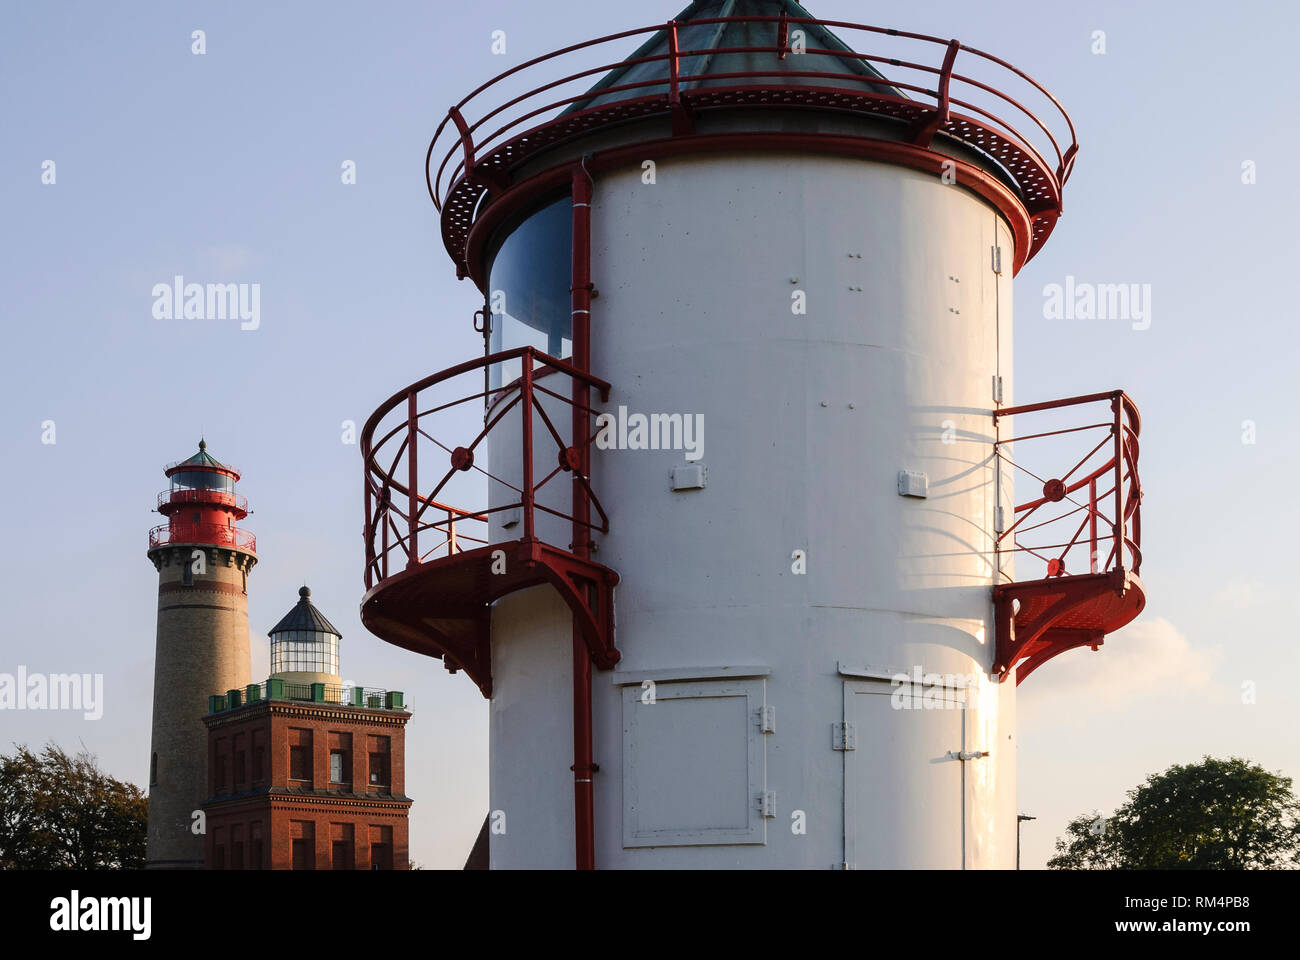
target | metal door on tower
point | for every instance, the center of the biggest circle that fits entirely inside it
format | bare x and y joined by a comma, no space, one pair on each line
902,776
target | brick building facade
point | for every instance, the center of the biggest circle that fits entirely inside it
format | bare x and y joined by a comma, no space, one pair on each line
299,780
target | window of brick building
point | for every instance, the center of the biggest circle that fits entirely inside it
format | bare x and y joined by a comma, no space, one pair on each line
300,763
380,775
381,847
302,833
259,756
342,855
340,745
340,768
255,850
342,846
300,754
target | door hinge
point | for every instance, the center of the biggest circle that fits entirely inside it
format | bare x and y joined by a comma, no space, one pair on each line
767,804
844,736
997,259
767,719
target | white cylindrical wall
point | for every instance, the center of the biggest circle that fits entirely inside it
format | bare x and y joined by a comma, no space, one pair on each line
808,419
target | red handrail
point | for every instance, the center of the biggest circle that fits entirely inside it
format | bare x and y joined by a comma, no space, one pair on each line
199,495
466,120
1117,508
394,526
216,534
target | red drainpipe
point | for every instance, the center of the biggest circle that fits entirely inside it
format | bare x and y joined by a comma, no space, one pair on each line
583,794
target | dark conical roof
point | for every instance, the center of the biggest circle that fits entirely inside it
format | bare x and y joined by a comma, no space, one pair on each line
304,617
721,36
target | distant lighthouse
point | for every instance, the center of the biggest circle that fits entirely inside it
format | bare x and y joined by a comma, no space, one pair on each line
203,559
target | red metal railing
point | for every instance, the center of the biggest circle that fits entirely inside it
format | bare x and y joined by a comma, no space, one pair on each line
1101,492
406,522
467,145
217,497
212,533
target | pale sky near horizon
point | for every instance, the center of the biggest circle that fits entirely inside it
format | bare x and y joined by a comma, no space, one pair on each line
226,167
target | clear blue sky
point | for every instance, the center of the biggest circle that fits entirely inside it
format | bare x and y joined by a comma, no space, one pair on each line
226,167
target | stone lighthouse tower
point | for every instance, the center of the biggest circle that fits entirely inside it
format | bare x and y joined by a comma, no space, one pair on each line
203,559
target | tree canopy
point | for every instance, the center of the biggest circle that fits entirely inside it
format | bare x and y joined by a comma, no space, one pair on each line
61,812
1214,815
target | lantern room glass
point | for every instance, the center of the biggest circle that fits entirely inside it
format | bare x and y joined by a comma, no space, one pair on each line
304,651
202,480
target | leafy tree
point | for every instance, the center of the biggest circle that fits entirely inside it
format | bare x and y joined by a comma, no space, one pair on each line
1213,815
61,812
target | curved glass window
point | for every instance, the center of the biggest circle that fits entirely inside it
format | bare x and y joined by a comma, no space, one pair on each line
202,480
529,287
304,651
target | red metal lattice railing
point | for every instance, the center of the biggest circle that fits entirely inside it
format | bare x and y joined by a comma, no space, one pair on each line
482,136
211,533
406,521
1101,491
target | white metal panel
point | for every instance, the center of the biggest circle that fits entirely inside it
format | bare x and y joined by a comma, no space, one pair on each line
530,786
692,764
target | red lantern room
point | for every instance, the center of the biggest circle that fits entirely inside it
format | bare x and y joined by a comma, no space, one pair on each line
201,505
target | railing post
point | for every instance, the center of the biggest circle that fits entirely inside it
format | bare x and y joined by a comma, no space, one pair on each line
412,481
1092,524
466,138
1118,408
683,121
370,528
926,127
385,504
526,411
673,93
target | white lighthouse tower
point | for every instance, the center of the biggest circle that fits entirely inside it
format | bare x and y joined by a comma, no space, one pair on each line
733,548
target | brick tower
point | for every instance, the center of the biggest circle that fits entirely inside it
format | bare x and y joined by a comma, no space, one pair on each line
203,560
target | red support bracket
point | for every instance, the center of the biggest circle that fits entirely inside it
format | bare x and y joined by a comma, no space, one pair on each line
1036,620
588,589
